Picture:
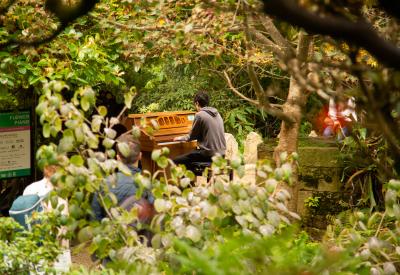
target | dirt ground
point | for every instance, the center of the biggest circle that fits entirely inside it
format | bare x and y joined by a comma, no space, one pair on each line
82,258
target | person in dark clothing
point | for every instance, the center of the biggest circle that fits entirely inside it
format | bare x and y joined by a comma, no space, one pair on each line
207,129
124,187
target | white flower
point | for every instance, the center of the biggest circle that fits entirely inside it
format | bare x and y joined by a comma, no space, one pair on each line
266,229
177,221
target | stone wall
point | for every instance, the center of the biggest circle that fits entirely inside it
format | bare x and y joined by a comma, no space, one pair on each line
320,172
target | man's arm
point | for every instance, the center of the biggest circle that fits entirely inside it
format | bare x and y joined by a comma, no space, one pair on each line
332,113
182,138
195,133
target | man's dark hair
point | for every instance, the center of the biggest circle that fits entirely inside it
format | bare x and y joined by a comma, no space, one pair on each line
202,98
134,149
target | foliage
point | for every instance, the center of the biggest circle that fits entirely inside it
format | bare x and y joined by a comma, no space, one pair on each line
305,129
171,88
201,216
374,238
368,165
107,50
24,251
198,214
287,253
312,202
242,120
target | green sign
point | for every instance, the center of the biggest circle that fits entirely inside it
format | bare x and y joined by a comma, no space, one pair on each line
15,119
15,144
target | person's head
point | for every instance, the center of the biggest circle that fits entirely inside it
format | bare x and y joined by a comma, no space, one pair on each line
201,99
341,106
134,149
49,171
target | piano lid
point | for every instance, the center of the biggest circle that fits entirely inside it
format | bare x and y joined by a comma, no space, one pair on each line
166,120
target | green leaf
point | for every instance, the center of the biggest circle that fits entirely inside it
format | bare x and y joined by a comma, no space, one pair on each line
193,233
165,151
124,169
41,108
53,201
79,135
110,133
155,155
136,132
162,162
92,141
102,111
66,144
160,205
108,143
33,80
75,211
72,123
96,123
128,97
363,133
85,103
58,124
22,70
46,130
69,133
85,234
77,160
123,148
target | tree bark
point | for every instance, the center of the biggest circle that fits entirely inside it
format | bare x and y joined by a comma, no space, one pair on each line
293,107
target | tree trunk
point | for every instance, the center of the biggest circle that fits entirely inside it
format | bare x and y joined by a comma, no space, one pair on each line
293,107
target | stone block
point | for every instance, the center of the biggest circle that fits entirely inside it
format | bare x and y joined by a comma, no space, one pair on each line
320,171
250,148
250,176
232,148
319,157
320,178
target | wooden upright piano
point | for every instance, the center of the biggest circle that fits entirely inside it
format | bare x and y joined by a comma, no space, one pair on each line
171,125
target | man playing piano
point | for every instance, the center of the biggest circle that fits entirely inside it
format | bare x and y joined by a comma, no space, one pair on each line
207,129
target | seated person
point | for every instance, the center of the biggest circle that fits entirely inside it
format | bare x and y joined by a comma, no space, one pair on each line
340,116
207,129
125,187
42,188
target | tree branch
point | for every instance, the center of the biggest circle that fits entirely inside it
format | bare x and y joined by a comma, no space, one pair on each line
303,48
264,103
276,35
126,26
390,136
270,109
258,89
228,80
196,30
359,33
267,42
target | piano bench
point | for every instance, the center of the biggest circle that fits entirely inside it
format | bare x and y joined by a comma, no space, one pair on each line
199,167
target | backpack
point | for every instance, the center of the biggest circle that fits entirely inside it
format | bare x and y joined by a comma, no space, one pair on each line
23,207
